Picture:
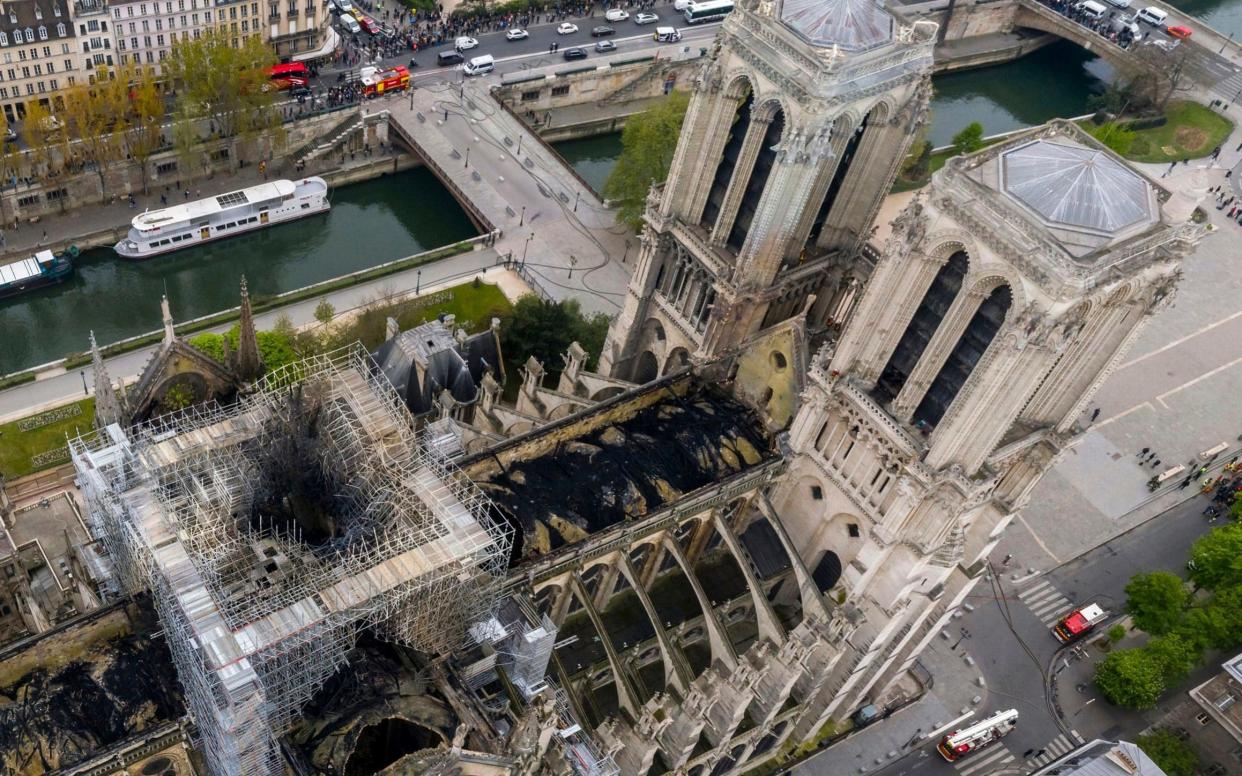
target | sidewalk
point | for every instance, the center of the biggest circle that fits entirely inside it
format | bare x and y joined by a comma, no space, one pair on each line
955,693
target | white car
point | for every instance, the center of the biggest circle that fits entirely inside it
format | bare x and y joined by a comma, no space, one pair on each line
344,6
516,34
465,43
1119,3
616,15
646,18
565,28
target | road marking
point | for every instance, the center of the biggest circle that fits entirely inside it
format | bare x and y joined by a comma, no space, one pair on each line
1201,377
1180,340
1055,748
997,757
1038,540
949,725
1043,596
1041,585
1120,415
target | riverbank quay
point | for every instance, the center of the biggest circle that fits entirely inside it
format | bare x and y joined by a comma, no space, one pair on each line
55,385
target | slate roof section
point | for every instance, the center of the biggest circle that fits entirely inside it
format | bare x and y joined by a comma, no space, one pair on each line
1076,186
427,359
854,25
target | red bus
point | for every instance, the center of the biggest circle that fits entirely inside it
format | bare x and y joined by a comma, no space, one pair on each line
288,75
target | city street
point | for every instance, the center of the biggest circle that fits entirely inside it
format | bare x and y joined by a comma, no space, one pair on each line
1008,637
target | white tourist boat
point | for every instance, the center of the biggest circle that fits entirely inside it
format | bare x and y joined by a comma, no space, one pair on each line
156,232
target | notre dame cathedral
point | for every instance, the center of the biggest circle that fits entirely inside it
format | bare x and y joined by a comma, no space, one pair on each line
817,412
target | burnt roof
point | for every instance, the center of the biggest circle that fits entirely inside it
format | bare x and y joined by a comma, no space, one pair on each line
625,466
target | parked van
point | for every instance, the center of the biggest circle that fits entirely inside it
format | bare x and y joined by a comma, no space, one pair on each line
445,58
1152,15
681,5
480,65
666,35
350,24
1092,10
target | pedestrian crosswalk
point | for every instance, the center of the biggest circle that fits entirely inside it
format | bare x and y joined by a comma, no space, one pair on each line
1045,602
1055,749
990,760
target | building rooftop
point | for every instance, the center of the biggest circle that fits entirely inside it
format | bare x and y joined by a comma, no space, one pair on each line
625,460
854,25
1076,186
1103,758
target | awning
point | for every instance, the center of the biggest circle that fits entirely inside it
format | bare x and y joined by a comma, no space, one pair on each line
329,45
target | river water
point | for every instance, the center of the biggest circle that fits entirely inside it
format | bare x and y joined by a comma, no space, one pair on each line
1224,16
369,223
395,216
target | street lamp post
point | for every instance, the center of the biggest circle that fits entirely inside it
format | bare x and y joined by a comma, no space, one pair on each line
627,250
418,282
522,220
1226,43
525,248
965,635
85,390
573,262
577,196
467,157
519,148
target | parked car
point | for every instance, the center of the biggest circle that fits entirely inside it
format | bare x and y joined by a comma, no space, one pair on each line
575,53
1152,15
465,43
516,34
370,26
343,6
604,46
300,92
617,15
1179,32
646,18
565,28
1119,3
602,31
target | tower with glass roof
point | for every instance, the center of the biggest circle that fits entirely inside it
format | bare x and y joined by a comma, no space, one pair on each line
800,119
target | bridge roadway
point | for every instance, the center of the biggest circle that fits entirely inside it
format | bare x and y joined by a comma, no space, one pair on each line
511,181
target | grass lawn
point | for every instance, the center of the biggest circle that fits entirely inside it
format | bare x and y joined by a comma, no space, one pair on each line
1192,131
20,450
474,306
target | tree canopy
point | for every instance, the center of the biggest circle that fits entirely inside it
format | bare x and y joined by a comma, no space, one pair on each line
1132,678
544,329
1156,601
1216,558
224,84
970,139
1172,754
275,348
647,147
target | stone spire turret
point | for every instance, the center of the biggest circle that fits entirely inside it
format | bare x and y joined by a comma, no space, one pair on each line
246,363
107,404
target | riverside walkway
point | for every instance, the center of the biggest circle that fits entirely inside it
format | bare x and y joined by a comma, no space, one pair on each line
510,180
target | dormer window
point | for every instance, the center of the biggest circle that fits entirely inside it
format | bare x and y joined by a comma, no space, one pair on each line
60,29
38,12
4,38
56,9
42,32
12,17
17,36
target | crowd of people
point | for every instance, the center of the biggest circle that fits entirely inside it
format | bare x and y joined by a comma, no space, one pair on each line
1105,26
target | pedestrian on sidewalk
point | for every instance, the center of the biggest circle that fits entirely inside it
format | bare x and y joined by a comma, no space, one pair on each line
1143,453
1095,414
163,199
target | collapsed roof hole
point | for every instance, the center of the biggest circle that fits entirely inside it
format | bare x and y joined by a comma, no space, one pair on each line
382,744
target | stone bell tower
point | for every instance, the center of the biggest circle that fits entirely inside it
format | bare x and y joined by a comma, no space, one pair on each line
798,123
1005,295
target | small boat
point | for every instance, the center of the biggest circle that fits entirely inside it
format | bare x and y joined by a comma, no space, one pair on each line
42,269
169,229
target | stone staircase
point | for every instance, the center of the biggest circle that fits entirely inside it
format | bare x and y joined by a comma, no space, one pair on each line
654,71
333,139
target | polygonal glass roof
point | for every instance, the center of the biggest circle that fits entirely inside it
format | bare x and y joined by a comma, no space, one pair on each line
853,25
1076,186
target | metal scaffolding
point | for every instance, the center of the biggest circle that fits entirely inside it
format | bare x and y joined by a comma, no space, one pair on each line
256,617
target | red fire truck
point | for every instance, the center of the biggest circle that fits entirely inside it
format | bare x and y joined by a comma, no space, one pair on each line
1078,623
376,82
960,743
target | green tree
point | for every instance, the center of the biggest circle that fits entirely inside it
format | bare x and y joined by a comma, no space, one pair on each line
40,132
544,329
969,139
1131,678
1116,633
144,131
275,347
647,147
1175,654
324,311
1216,558
98,113
1157,601
226,85
1215,624
1173,755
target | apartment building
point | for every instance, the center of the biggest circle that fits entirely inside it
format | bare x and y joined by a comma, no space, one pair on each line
298,29
146,31
39,54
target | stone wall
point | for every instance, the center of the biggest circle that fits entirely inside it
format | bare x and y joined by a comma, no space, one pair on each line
971,20
165,169
604,85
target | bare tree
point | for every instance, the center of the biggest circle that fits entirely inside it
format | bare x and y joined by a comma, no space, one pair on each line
1155,73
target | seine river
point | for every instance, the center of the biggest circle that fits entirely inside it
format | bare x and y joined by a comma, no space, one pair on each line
398,215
